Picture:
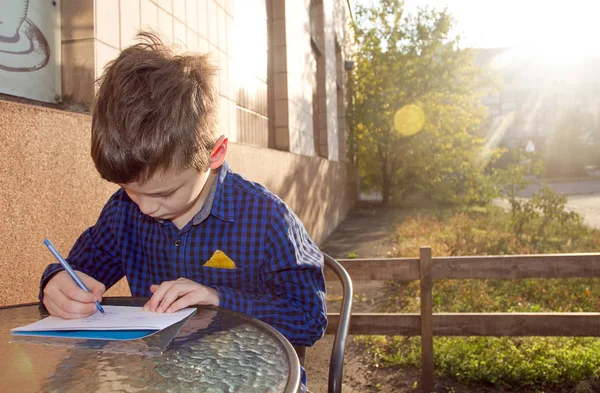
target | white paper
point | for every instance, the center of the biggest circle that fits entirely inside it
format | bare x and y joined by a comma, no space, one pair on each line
115,318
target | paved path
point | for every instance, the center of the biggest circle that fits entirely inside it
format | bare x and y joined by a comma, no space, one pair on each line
568,188
583,198
588,206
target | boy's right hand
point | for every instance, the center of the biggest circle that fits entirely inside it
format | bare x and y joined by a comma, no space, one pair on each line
64,299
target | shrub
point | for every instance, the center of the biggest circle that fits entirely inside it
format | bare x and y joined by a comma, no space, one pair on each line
508,361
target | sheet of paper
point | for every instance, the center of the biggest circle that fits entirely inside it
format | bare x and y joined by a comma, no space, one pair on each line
115,318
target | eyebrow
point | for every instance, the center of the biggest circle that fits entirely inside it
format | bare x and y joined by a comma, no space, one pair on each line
162,193
165,192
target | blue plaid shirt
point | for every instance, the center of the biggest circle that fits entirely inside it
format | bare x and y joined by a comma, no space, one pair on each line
278,278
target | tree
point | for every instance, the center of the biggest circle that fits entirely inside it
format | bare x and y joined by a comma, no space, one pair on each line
571,147
413,61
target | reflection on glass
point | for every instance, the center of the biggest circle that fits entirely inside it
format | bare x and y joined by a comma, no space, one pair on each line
212,351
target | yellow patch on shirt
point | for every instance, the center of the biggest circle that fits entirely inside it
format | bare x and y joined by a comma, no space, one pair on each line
220,260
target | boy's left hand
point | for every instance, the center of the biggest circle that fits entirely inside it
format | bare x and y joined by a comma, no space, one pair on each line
171,296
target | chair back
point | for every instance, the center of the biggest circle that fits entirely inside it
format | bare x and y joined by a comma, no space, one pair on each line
336,364
336,361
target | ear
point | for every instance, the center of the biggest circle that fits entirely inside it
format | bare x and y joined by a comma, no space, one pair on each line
219,152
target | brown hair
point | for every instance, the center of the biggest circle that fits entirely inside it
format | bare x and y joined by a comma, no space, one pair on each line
154,111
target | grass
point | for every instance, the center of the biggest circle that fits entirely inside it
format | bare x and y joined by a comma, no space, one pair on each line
506,362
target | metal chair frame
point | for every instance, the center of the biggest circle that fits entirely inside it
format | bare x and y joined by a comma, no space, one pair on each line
336,361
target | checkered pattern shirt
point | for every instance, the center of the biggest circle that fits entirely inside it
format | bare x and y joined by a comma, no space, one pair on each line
279,274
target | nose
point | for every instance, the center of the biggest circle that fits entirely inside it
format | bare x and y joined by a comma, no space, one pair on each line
147,205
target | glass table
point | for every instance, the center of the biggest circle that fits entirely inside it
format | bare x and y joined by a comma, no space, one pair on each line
213,351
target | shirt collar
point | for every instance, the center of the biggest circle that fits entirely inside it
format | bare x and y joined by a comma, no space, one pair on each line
219,201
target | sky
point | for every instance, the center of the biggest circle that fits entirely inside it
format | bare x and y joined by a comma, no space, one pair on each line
570,25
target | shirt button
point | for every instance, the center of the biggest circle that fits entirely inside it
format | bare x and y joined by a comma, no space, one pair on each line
177,243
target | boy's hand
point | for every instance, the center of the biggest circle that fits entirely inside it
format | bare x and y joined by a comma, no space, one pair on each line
63,298
171,296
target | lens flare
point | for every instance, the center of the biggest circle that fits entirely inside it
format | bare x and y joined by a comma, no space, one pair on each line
409,120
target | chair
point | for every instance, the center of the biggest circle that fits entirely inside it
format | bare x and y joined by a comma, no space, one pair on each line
336,362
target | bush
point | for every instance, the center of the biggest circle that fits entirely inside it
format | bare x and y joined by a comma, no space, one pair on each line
505,362
543,221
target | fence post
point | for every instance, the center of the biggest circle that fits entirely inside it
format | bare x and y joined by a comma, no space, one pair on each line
426,285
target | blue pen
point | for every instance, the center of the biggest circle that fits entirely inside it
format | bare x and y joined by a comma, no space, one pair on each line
69,270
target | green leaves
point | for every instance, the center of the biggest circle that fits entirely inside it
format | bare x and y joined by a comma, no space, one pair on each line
509,362
413,60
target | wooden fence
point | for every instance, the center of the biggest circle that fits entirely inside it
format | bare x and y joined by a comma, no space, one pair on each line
427,324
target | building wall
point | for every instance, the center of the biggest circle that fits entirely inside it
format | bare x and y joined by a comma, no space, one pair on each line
93,33
534,98
49,188
48,184
237,33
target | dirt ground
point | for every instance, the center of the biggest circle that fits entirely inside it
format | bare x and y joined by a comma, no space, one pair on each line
368,231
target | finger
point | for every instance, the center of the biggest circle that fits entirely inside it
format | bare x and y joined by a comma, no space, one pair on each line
95,286
98,294
158,295
64,314
62,297
74,308
193,294
181,287
64,302
98,291
176,291
63,283
185,301
203,295
78,294
153,289
61,306
50,306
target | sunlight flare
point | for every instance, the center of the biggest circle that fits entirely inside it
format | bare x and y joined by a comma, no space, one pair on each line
409,120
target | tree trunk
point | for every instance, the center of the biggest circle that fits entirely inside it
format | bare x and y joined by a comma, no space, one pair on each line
387,187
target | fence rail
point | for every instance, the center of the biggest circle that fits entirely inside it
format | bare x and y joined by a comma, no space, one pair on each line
427,269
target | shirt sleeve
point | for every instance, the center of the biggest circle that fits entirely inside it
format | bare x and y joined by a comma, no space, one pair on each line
293,295
95,251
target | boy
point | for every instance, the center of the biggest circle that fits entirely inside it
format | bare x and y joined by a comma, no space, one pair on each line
183,228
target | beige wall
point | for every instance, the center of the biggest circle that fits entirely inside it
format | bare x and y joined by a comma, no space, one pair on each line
315,188
49,188
294,69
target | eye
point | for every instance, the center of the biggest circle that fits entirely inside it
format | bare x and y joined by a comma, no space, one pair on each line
168,196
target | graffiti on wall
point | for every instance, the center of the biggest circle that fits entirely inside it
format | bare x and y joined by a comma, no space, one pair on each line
30,49
22,44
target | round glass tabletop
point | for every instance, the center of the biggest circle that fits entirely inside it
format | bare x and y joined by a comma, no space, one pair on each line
213,351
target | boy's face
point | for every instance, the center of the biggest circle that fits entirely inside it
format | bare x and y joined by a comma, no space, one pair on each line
176,194
170,195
